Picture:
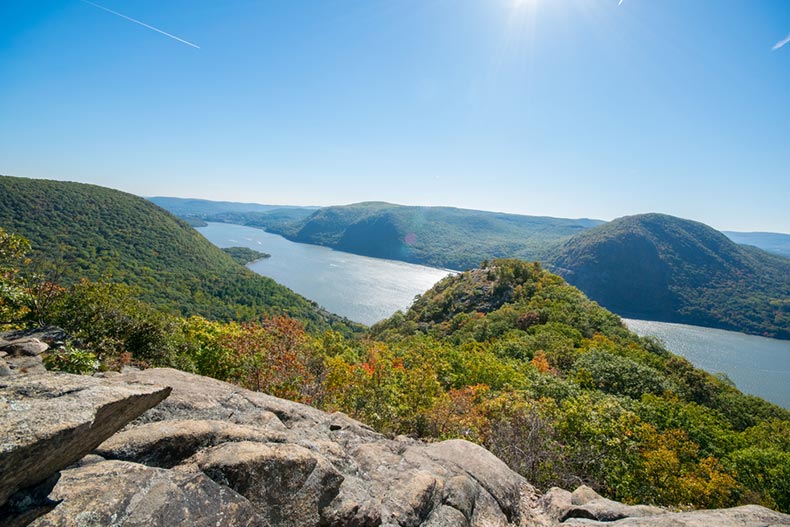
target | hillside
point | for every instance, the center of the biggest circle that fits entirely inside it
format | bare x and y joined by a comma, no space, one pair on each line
438,236
659,267
85,231
560,390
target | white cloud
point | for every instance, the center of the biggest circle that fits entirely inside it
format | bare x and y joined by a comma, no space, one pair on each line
782,43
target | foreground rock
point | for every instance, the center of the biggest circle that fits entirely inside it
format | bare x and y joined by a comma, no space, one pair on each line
49,421
215,454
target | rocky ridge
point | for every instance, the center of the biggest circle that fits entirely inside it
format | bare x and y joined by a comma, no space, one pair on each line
212,453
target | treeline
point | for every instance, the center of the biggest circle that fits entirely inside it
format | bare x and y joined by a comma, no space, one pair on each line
507,355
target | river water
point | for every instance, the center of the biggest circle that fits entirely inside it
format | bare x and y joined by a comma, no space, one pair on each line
360,288
758,365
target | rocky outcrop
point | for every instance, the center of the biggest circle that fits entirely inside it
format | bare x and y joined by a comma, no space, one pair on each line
21,351
746,516
49,421
215,454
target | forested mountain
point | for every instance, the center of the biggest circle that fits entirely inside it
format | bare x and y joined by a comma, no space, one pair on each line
512,356
85,231
660,267
438,236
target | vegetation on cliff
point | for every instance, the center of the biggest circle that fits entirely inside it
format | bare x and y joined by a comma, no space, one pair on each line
82,231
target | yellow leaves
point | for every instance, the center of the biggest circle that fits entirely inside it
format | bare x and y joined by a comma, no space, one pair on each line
540,362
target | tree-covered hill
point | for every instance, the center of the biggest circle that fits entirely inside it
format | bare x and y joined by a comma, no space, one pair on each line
660,267
85,231
438,236
512,356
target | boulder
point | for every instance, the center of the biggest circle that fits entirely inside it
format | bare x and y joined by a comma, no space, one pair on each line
128,494
370,480
50,335
288,484
49,421
26,346
745,516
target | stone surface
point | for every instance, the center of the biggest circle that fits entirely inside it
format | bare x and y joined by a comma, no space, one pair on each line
26,346
367,479
49,421
746,516
289,485
125,494
215,454
50,335
167,443
584,503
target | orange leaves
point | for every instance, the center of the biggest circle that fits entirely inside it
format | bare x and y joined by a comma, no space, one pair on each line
273,356
540,362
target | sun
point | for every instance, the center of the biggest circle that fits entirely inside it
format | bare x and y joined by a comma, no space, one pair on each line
518,4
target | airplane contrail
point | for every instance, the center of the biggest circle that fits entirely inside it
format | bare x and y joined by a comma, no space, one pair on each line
142,24
782,43
621,2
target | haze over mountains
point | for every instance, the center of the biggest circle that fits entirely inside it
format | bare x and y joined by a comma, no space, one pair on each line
646,266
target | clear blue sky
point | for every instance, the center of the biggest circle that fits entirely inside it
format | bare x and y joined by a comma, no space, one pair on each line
570,108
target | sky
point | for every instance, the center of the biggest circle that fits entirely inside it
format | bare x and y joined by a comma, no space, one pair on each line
566,108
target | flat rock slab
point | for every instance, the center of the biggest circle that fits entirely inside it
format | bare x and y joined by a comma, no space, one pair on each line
125,494
49,421
746,516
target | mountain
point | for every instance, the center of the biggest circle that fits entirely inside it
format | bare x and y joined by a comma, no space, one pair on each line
86,231
659,267
204,207
438,236
772,242
197,211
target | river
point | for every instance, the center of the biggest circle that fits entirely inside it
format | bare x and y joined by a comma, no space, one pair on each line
757,365
360,288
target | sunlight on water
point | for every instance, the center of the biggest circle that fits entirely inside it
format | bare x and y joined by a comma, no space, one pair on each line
362,289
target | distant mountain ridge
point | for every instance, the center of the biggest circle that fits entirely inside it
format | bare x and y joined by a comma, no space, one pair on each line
659,267
772,242
87,231
443,237
648,266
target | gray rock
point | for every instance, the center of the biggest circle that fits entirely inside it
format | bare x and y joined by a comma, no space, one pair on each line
380,481
25,364
127,494
167,443
746,516
49,334
27,346
49,421
288,484
584,494
246,458
584,503
485,468
5,369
